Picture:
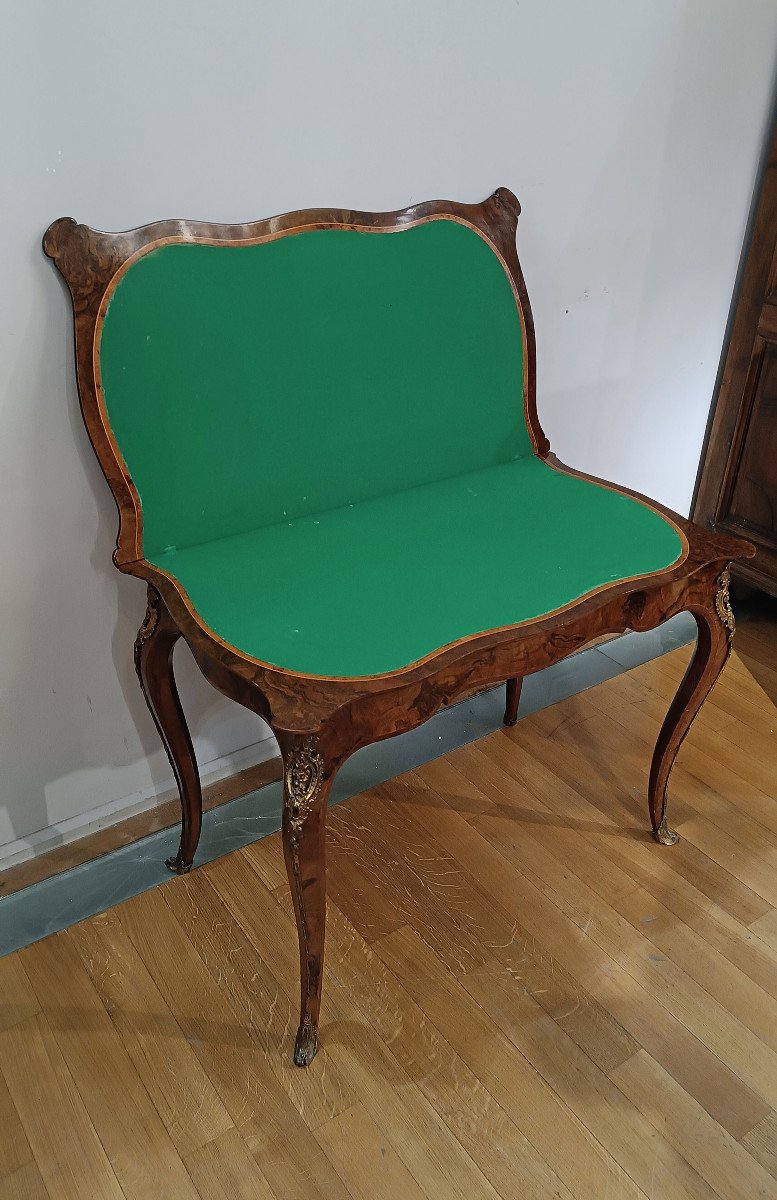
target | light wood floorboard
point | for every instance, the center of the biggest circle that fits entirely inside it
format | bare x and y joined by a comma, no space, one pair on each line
525,998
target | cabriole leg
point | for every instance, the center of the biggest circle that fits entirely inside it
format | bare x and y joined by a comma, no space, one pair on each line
306,785
715,633
513,699
154,647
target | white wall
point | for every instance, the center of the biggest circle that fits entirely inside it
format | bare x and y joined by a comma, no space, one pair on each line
629,129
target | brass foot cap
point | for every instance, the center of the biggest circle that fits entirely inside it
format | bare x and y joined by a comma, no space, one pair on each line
177,865
665,835
306,1045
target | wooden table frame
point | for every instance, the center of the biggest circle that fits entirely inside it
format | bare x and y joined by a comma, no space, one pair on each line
320,721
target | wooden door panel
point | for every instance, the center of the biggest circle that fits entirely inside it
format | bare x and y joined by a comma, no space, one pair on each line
753,505
737,486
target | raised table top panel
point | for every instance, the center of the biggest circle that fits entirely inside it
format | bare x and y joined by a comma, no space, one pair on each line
251,383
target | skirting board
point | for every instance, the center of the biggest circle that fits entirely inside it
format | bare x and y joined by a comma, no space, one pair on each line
63,833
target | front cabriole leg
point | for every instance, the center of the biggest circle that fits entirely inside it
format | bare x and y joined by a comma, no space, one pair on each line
154,647
715,624
307,781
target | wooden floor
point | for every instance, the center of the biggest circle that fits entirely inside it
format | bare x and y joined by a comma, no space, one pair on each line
525,996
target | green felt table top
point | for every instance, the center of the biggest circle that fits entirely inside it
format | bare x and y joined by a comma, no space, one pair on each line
327,436
376,586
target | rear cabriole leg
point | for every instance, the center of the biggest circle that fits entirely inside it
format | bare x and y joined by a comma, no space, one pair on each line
512,700
154,647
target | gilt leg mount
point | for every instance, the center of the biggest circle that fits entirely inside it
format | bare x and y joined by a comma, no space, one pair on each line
154,647
715,627
306,790
723,604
